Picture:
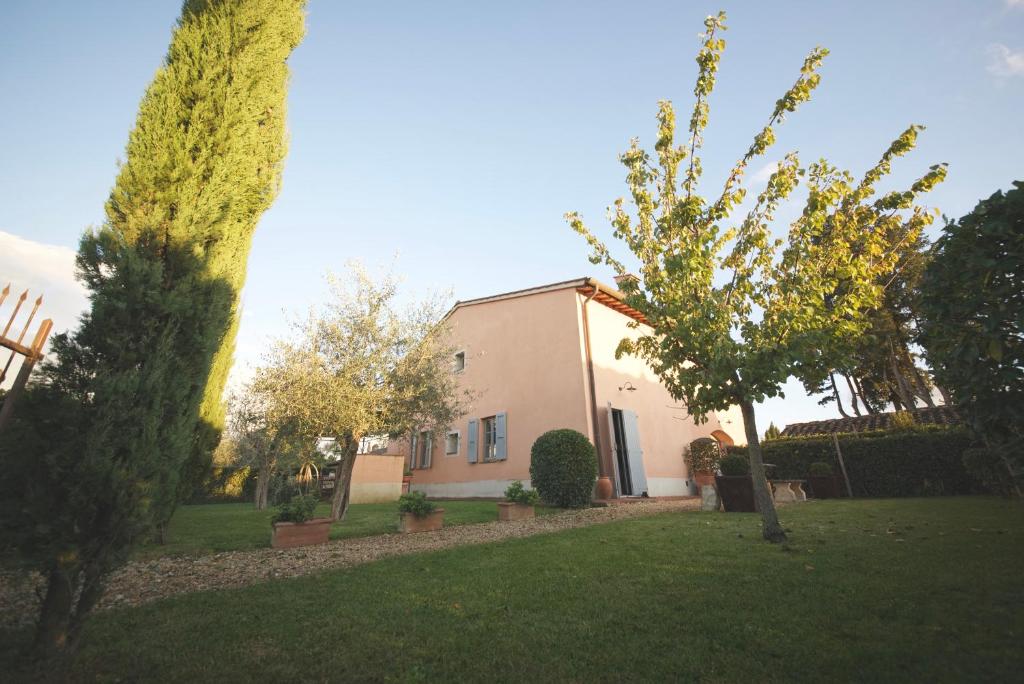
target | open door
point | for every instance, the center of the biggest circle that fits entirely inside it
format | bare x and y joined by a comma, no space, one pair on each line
631,479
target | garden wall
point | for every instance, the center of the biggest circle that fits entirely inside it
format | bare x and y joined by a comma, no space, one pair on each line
924,461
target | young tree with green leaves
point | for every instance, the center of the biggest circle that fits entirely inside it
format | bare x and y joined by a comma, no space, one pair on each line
361,367
972,304
772,432
733,311
140,379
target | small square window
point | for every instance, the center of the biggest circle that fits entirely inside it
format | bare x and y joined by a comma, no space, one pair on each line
451,444
460,361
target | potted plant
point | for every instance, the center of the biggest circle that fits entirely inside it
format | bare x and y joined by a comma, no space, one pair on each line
734,485
823,481
519,502
702,460
406,480
419,515
294,524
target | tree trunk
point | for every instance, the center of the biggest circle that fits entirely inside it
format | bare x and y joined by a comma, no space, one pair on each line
93,585
906,396
835,392
853,395
53,631
946,398
343,481
771,529
922,386
262,487
863,396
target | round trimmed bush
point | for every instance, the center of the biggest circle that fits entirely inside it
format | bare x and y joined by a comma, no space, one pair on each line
563,468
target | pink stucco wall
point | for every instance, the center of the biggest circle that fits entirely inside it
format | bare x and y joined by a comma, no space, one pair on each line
522,358
525,356
665,426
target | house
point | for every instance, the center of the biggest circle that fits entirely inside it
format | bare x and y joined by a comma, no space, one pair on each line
544,358
936,415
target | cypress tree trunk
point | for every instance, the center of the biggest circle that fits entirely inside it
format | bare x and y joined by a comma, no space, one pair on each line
53,631
770,527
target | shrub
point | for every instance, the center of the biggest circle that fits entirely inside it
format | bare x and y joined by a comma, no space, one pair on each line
734,465
703,455
924,461
417,504
517,493
563,468
820,469
989,469
902,420
297,510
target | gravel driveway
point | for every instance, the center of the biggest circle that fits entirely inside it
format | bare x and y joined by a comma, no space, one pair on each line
143,581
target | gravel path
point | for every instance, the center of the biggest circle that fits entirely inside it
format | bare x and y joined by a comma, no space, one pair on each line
143,581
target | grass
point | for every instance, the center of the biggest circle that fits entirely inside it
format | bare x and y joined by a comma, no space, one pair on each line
865,590
210,528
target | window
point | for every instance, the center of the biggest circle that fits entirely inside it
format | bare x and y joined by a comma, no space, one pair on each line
490,429
460,361
424,447
451,444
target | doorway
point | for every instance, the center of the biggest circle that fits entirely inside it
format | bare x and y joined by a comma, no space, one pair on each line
631,479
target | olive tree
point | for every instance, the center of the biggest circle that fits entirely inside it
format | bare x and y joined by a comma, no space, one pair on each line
734,311
360,366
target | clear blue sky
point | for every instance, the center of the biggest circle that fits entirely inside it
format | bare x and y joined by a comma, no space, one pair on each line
456,134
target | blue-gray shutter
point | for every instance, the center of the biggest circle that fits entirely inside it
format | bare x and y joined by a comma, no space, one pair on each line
471,437
500,448
635,453
412,451
428,450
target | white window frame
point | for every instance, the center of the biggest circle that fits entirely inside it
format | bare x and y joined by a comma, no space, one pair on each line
489,445
458,442
456,356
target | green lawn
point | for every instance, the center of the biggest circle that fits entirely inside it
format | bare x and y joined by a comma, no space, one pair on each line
866,590
210,528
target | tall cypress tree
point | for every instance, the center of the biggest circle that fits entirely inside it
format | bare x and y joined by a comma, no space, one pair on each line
204,160
133,395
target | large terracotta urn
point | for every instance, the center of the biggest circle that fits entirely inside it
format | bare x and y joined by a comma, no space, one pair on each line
604,487
703,479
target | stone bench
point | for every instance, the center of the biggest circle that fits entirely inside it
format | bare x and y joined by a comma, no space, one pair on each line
788,491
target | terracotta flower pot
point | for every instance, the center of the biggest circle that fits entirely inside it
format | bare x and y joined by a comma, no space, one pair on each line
427,523
288,535
406,483
703,479
514,511
604,487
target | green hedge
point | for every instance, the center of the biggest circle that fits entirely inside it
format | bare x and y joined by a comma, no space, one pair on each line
925,461
225,485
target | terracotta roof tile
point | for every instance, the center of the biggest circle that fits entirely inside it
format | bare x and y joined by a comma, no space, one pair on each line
940,415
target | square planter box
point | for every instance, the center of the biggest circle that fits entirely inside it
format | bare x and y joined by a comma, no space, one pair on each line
428,523
825,486
514,511
736,492
288,535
